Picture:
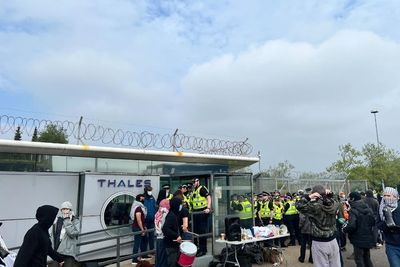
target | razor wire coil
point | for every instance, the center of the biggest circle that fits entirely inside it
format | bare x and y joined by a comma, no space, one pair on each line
89,132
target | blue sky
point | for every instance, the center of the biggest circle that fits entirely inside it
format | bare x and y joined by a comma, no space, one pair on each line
298,78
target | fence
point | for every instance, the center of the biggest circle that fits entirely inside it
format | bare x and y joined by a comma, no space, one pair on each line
285,185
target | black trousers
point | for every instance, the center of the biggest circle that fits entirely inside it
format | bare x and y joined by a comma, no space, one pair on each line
172,256
200,226
292,223
362,257
305,240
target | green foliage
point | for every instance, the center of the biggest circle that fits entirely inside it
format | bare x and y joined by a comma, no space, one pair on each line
374,163
53,134
18,134
35,137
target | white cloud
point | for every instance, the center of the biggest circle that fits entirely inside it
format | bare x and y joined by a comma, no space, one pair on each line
298,101
296,77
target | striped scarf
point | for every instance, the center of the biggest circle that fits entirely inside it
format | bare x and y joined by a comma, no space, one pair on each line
388,202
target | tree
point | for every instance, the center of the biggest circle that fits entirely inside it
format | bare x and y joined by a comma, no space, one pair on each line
349,159
18,134
282,170
53,134
35,135
374,163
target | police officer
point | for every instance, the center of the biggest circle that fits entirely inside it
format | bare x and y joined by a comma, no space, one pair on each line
264,210
244,207
186,201
292,220
201,202
277,208
233,204
165,193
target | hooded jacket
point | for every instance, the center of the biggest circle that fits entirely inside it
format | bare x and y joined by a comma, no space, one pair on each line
68,245
360,225
322,215
170,228
37,245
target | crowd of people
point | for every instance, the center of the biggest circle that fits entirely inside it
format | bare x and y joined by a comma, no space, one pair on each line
315,218
323,221
170,216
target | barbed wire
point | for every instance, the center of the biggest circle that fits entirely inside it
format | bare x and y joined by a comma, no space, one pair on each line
87,132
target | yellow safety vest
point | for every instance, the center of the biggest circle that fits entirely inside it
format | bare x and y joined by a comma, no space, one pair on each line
264,210
278,211
186,200
292,208
170,196
198,201
245,213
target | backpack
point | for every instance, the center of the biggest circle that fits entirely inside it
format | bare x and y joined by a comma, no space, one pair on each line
233,230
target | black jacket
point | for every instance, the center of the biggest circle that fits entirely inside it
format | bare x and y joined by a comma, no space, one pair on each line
391,235
37,244
373,205
170,228
360,225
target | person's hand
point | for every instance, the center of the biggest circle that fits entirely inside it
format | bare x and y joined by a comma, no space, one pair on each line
179,239
315,195
207,210
61,263
143,232
66,215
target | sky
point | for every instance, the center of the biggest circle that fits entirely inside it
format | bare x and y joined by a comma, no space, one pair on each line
297,78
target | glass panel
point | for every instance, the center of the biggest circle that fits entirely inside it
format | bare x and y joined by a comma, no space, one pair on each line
225,190
117,212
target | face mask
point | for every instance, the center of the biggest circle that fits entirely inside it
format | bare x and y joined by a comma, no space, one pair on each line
149,193
180,207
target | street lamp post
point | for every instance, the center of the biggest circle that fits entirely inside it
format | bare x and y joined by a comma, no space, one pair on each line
377,139
376,125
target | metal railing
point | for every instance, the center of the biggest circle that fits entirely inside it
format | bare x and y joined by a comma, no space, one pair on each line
118,257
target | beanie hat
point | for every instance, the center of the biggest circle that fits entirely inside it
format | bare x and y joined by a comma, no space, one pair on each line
320,189
391,190
354,196
66,205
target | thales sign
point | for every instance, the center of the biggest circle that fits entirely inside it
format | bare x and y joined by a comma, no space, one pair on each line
123,182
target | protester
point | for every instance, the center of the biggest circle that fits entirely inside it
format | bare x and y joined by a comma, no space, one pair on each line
150,205
138,215
321,208
171,232
37,245
159,220
389,223
64,235
360,229
305,229
374,206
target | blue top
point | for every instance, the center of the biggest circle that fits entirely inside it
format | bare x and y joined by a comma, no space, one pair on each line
150,204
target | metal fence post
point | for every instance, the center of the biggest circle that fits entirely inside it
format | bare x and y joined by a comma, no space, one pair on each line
118,252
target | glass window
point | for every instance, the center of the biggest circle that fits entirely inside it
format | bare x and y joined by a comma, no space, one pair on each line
116,212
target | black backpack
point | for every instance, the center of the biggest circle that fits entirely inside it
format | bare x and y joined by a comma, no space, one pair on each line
233,230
